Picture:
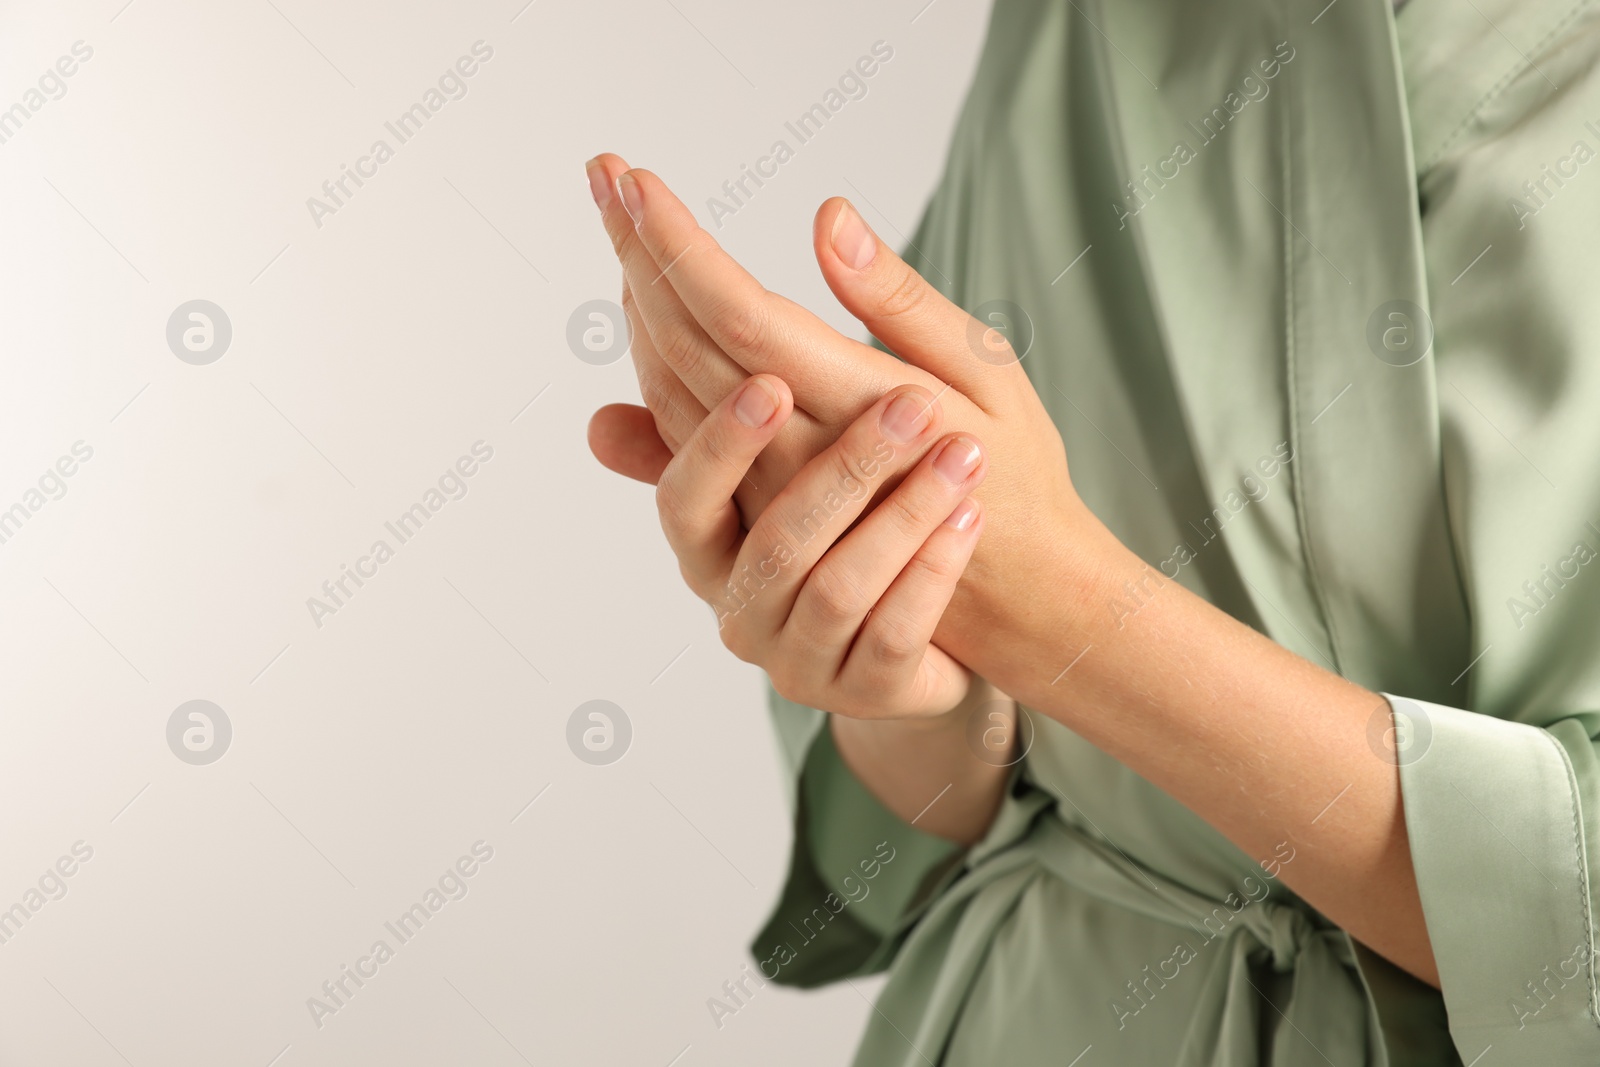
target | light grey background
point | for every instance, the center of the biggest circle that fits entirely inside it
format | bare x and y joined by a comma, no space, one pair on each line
367,355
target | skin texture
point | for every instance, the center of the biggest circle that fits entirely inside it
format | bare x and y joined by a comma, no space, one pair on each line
1180,692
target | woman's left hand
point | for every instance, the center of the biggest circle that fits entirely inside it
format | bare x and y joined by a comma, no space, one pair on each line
702,324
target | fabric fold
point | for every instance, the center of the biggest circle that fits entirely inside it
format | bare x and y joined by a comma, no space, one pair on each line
1326,1016
1495,817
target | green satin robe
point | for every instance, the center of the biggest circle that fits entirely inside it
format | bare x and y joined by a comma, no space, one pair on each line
1311,291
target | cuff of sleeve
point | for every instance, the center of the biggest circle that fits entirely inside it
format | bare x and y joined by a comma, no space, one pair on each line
1496,831
878,861
857,878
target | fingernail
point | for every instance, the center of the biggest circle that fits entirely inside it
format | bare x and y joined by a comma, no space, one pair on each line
965,514
632,198
598,188
904,418
756,405
957,459
852,241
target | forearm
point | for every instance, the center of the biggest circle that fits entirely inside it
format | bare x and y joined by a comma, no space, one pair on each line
1262,744
925,770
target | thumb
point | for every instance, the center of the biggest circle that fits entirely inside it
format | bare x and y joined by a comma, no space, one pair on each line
901,309
623,437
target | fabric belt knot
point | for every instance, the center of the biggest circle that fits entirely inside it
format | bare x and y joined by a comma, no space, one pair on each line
1287,932
1320,1015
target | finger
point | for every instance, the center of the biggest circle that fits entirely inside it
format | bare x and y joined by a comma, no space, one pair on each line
761,331
819,504
695,493
708,372
867,560
843,588
894,650
623,437
677,410
905,312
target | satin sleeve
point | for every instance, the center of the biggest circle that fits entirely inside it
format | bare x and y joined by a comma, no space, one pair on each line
859,875
1502,818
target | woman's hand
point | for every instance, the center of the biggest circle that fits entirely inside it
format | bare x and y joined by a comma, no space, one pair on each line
921,768
1188,697
701,324
839,612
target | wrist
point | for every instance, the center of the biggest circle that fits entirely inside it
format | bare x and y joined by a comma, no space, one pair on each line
929,771
1035,632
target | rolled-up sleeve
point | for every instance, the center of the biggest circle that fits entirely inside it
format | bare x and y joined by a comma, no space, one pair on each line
1501,842
859,875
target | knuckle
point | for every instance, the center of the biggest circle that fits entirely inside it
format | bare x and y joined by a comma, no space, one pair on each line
741,325
638,329
787,682
893,647
672,423
853,705
907,294
617,231
864,690
671,506
837,595
737,639
933,568
718,450
904,512
679,345
654,392
842,465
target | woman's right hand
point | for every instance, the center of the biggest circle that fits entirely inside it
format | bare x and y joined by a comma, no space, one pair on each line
835,598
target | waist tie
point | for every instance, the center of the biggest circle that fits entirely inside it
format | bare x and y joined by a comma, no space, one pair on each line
1327,1017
